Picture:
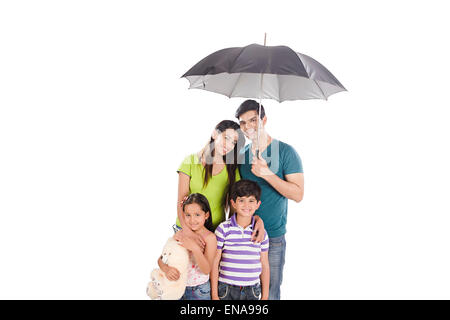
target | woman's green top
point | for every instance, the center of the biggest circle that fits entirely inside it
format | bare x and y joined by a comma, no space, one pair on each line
214,191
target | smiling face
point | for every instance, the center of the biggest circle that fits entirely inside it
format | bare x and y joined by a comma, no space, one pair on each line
225,141
195,217
249,124
245,206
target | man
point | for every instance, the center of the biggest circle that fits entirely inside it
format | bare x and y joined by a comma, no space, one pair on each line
279,172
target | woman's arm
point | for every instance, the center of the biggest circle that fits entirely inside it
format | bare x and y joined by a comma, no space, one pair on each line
183,191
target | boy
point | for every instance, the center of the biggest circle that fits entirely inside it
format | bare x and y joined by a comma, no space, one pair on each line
240,269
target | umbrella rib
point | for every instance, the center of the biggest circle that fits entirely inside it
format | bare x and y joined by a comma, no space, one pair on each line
235,84
309,76
321,91
240,73
237,57
279,91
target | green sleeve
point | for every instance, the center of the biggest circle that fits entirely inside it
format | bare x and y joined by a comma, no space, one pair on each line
292,162
238,175
186,166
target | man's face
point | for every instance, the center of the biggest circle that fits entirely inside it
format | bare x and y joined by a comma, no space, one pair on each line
249,124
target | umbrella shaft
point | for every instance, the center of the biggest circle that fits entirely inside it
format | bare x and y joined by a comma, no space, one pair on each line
259,115
259,109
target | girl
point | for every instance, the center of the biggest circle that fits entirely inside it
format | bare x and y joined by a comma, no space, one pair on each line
197,217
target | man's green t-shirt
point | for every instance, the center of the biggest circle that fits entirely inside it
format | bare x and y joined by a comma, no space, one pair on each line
214,191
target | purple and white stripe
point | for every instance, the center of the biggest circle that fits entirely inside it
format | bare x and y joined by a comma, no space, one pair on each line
241,258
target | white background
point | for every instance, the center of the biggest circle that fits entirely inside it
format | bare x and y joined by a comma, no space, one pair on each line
94,121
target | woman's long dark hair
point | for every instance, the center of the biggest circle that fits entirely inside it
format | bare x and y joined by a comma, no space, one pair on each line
231,159
201,200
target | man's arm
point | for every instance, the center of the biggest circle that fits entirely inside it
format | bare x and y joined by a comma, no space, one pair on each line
291,188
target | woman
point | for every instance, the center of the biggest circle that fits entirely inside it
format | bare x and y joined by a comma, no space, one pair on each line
212,172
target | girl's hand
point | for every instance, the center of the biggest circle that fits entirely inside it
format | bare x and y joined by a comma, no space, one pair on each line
186,233
190,244
258,232
172,273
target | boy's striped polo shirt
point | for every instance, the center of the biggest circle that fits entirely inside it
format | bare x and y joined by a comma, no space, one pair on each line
240,264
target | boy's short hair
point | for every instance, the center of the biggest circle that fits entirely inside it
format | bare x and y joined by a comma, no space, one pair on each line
245,188
249,105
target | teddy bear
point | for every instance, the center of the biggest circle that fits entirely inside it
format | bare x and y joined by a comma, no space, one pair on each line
160,288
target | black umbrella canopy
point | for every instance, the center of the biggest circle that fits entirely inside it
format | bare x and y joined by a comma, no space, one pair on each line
267,72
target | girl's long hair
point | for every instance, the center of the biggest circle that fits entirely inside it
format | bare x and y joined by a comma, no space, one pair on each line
231,159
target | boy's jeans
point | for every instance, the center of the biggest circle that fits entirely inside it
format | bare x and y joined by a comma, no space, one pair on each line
230,292
277,251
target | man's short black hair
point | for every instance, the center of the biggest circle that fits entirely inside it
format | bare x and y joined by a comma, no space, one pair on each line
245,188
249,105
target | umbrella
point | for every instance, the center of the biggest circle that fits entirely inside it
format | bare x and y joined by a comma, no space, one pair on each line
264,72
